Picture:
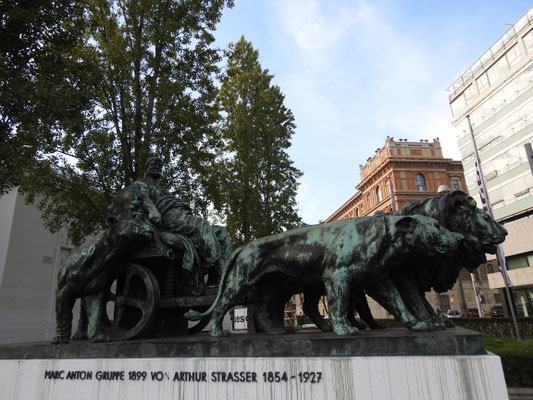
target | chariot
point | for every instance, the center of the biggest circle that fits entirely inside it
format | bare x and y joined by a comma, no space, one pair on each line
147,298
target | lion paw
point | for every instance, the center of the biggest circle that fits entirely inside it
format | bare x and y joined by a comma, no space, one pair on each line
441,326
377,325
346,330
325,325
448,323
422,326
60,339
359,324
220,333
100,337
79,335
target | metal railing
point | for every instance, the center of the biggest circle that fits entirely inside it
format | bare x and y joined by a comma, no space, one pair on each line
491,53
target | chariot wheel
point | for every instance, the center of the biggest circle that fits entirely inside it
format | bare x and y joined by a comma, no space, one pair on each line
134,299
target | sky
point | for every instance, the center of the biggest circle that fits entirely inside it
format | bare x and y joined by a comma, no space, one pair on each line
354,72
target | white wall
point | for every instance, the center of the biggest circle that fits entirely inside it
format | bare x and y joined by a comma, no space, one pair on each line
7,211
30,257
519,239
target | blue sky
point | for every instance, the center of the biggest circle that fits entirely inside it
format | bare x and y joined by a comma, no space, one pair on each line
354,72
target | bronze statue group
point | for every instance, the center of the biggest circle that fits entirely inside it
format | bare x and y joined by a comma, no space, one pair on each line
394,258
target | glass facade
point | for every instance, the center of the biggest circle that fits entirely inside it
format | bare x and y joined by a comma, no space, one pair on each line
523,299
502,124
528,41
500,112
490,106
490,77
488,56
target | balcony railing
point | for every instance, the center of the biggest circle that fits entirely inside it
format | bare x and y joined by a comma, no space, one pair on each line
491,53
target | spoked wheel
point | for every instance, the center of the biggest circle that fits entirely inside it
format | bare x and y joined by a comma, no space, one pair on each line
135,294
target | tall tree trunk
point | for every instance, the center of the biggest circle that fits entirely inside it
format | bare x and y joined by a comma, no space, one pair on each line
137,91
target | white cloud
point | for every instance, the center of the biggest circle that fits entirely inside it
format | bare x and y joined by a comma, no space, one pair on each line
316,25
356,76
311,200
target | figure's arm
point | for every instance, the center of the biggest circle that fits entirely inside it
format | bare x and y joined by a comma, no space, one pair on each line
153,215
143,193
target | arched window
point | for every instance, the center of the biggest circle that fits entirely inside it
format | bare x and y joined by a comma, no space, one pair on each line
387,187
455,184
368,200
378,194
356,212
421,183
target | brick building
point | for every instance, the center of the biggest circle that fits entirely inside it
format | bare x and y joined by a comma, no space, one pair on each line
398,173
401,172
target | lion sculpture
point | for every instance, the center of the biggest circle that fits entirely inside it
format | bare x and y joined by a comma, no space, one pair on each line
357,254
457,212
85,274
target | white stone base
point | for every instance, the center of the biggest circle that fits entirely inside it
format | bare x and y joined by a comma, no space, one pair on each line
366,378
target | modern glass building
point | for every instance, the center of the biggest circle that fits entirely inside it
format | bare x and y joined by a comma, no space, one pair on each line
496,95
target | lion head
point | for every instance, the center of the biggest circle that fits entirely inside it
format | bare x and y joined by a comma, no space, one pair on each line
457,212
423,235
482,233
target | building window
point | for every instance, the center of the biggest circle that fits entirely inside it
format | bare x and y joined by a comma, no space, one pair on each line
387,187
368,200
444,302
455,184
504,64
519,261
500,67
490,268
378,194
356,212
421,183
528,41
482,82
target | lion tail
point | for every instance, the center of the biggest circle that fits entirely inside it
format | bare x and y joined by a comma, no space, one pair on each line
196,315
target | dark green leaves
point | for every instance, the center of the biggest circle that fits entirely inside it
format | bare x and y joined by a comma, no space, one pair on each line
90,89
255,176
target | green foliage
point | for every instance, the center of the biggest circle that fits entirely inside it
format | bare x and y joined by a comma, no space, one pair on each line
504,344
254,181
497,326
517,369
103,85
517,359
34,38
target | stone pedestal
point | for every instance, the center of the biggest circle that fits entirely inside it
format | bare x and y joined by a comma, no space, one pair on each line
251,367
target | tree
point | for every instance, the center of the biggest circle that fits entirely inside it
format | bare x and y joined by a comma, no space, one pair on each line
255,178
33,35
136,80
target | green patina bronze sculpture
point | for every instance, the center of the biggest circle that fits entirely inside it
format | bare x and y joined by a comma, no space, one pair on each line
410,278
154,250
457,212
350,254
86,274
158,254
